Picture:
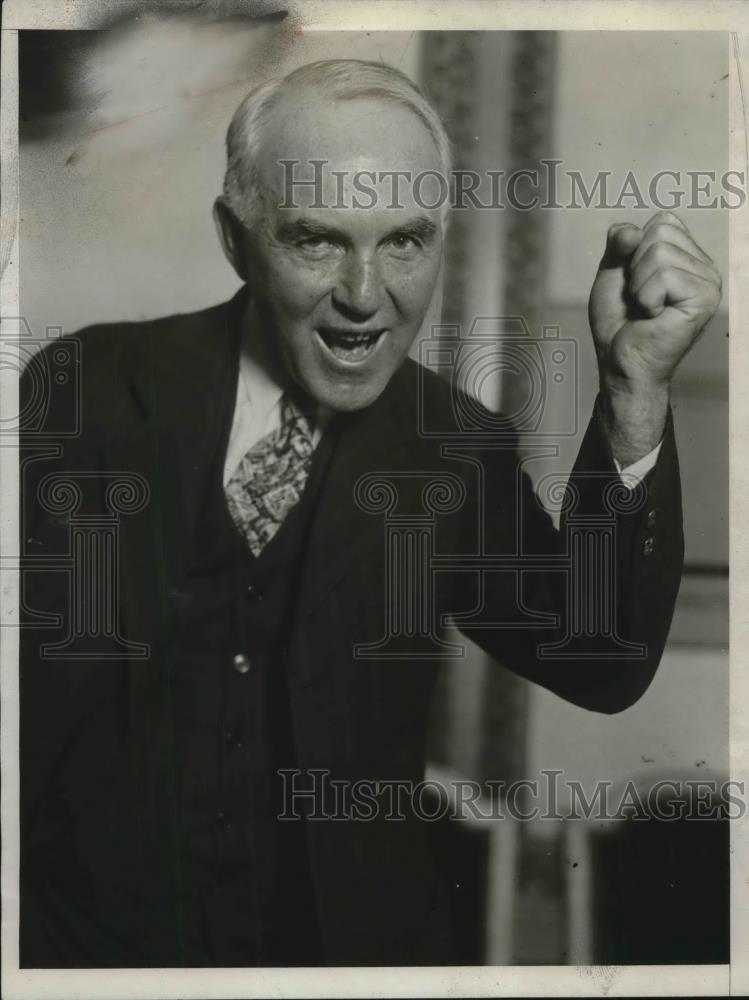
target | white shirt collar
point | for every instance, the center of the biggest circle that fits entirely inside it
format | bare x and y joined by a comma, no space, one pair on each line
261,384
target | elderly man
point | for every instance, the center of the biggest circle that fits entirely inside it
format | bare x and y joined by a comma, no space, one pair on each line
251,594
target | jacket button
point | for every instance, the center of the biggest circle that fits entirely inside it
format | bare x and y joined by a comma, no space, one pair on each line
254,593
650,518
241,663
647,546
233,740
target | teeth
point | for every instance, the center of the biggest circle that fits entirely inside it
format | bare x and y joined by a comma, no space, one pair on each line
357,338
350,346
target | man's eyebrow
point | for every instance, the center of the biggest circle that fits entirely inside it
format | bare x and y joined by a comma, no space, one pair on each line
420,228
300,228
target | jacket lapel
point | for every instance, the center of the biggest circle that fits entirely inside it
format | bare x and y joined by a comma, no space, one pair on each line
381,438
183,385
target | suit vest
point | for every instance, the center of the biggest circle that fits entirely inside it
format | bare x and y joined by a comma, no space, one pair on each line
242,874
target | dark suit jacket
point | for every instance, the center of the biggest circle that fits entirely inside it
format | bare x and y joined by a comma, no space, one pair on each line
93,743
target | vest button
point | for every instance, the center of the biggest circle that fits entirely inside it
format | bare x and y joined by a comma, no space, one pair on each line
233,740
241,663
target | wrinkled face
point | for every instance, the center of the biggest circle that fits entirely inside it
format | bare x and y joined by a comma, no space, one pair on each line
342,291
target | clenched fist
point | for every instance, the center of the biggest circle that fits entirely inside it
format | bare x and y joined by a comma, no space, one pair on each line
654,292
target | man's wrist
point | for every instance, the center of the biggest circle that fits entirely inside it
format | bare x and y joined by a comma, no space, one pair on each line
631,475
634,418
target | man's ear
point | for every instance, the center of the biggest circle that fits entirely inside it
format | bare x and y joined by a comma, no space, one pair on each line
230,233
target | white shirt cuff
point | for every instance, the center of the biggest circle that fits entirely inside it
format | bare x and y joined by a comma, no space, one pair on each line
636,472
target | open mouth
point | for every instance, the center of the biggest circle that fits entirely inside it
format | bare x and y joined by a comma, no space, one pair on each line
350,346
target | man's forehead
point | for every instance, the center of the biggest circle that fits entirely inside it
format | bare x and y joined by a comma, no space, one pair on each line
353,136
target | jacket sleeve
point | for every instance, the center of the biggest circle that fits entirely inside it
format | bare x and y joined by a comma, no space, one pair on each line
586,610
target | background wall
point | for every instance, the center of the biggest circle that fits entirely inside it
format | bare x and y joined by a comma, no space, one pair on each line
655,101
119,175
651,103
670,96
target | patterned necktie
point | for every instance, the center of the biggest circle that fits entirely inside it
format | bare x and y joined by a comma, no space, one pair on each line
271,477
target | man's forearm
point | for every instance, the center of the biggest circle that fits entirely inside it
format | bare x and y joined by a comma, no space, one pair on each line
634,420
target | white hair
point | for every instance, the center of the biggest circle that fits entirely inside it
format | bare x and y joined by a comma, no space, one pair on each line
339,79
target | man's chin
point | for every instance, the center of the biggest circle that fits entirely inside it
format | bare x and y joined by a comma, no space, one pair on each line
347,398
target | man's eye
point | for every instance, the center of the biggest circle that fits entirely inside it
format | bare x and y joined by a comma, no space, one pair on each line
404,243
315,243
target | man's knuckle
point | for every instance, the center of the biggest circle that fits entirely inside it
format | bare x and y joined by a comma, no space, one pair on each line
664,232
665,217
643,293
657,254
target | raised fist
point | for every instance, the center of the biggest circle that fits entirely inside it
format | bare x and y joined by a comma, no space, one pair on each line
654,292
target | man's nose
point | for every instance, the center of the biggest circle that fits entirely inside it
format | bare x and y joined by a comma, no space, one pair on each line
359,289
